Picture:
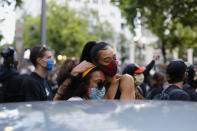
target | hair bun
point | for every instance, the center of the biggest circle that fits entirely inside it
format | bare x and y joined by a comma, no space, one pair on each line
85,55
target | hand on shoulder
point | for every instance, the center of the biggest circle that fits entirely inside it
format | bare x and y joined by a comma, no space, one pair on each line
80,68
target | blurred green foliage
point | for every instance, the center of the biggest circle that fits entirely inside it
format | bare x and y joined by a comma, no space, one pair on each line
172,21
1,37
123,47
67,30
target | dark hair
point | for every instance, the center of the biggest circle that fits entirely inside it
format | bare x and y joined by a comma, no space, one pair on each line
65,68
36,52
91,50
85,55
175,71
158,79
79,87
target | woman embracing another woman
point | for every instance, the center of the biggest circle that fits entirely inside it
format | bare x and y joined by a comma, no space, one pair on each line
102,57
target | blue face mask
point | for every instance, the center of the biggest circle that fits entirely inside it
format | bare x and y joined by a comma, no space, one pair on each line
95,93
50,64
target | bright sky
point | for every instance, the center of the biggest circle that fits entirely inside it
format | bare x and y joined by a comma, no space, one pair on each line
7,13
7,27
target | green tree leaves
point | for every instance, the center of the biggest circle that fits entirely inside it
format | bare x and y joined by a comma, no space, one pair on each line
67,29
172,21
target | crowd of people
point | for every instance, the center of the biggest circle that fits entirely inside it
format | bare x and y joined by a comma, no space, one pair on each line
94,77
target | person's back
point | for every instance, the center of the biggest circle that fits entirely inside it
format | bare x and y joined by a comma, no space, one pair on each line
176,93
10,79
191,91
154,93
11,90
176,72
190,84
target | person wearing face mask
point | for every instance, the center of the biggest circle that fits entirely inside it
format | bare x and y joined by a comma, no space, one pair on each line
36,86
137,72
103,56
90,85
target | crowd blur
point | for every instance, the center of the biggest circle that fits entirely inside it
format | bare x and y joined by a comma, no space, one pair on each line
94,76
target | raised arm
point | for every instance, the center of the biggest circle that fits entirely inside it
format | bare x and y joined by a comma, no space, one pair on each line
83,66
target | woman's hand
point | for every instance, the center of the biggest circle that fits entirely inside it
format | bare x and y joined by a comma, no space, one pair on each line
111,92
82,67
116,79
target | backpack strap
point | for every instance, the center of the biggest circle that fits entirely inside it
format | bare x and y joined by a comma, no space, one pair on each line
167,93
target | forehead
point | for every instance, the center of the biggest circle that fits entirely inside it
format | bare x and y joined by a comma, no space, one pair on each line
108,52
47,54
98,75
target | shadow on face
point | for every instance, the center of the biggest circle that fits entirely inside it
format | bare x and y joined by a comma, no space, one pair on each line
106,56
97,79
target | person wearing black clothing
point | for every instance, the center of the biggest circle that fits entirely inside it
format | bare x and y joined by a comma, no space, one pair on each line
10,79
36,87
191,91
146,73
157,83
10,88
176,73
190,84
176,93
190,76
154,93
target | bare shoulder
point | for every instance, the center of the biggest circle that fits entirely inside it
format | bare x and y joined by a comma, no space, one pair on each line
126,76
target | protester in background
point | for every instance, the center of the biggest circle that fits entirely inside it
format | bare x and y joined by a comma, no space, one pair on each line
190,84
137,73
176,73
145,86
65,70
51,78
157,83
10,80
190,76
36,86
64,74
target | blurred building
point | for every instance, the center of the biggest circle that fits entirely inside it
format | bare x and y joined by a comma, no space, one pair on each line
106,12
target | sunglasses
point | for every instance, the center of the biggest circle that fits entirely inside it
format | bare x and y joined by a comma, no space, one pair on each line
100,84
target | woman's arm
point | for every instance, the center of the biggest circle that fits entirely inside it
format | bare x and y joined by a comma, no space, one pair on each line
83,66
62,89
113,87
